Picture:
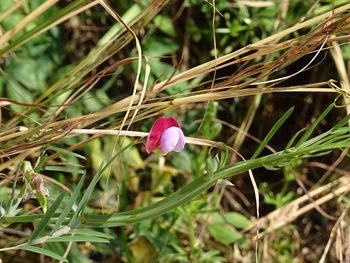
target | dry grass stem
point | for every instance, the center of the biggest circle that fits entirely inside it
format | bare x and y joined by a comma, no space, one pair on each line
29,18
12,9
189,140
287,214
343,73
332,236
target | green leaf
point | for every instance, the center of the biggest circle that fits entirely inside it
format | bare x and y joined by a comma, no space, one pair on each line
42,201
183,160
224,234
43,251
211,166
16,92
97,155
75,254
88,193
165,24
160,180
341,123
41,163
292,140
210,128
223,156
132,13
313,125
46,218
132,156
212,256
69,205
11,20
94,181
78,239
57,149
31,73
48,22
234,219
89,232
272,132
159,46
66,169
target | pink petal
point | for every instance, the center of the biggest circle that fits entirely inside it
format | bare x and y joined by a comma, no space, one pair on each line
172,139
159,126
181,143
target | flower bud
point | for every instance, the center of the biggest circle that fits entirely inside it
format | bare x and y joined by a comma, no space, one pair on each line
166,134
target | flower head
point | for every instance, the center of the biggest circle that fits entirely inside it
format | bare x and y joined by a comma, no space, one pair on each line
166,134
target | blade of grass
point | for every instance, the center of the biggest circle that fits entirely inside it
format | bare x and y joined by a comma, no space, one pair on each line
57,149
69,205
313,125
94,181
78,239
341,123
273,130
325,137
65,169
50,212
33,15
292,140
52,21
43,251
89,232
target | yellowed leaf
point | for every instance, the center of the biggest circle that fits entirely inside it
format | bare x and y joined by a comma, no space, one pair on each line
142,250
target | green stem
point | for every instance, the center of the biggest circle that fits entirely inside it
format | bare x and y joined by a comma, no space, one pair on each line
192,237
193,189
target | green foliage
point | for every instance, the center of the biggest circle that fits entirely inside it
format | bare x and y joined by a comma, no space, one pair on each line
273,130
75,254
279,199
45,219
43,251
223,227
224,234
210,128
165,24
234,219
235,26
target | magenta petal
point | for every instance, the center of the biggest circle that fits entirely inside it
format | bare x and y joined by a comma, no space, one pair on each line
159,126
172,139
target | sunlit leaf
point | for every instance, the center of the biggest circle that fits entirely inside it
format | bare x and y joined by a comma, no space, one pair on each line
224,234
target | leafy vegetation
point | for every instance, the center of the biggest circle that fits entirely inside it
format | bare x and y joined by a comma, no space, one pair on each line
260,88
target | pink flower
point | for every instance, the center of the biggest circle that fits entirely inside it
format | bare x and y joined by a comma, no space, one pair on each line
166,134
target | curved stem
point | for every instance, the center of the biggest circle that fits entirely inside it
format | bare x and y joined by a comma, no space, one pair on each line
191,190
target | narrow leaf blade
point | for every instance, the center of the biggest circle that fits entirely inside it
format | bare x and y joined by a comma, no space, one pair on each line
46,218
272,132
94,181
313,125
89,232
69,205
78,239
57,149
43,251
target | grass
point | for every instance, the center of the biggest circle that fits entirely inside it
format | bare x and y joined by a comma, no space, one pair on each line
73,124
